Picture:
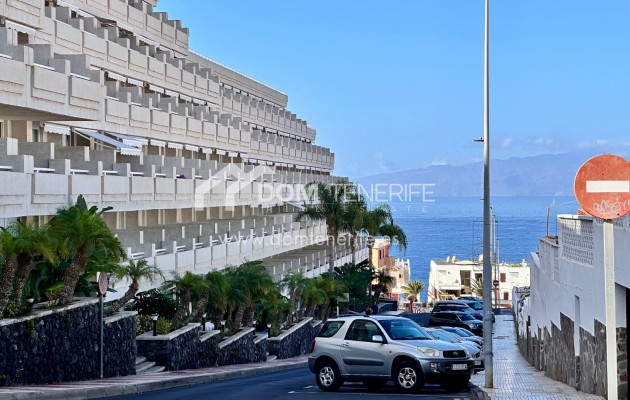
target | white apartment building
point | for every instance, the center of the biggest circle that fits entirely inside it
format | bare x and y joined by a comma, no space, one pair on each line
204,167
451,278
562,318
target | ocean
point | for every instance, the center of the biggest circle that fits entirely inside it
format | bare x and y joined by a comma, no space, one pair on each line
451,227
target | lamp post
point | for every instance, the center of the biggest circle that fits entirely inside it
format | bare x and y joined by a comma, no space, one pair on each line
487,261
203,322
268,330
155,317
222,327
254,322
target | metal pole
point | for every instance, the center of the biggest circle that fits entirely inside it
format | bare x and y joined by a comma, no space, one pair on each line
611,309
487,265
100,347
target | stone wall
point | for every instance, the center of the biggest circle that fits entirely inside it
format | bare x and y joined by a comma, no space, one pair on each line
622,362
559,352
61,345
174,351
238,349
209,349
296,341
593,360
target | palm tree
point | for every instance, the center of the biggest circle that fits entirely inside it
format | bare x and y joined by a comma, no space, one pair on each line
380,222
81,230
254,279
183,287
31,241
356,217
8,249
328,203
412,290
477,287
383,283
314,295
134,272
295,284
213,292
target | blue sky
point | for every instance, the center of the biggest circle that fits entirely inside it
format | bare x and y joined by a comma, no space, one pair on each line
398,85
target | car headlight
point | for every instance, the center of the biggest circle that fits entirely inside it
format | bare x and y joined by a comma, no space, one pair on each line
429,352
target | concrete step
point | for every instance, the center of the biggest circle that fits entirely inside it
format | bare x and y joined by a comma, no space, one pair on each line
156,368
271,358
141,368
140,359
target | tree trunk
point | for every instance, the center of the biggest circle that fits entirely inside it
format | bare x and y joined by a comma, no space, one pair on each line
71,276
200,307
331,255
248,315
179,319
24,268
129,294
353,247
6,283
238,318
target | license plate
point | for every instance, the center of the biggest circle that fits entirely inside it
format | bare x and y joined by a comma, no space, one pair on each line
477,362
459,367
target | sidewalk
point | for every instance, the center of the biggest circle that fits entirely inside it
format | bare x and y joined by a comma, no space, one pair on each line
145,382
515,378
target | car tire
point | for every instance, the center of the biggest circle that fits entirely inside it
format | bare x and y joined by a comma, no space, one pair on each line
455,384
328,376
374,385
408,377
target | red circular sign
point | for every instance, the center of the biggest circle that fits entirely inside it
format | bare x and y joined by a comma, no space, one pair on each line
495,283
602,186
103,283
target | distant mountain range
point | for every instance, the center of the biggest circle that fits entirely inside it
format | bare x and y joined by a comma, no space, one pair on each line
541,175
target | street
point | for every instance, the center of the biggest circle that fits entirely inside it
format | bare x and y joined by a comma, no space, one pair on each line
292,384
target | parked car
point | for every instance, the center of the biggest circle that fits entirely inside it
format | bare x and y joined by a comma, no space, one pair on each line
378,348
470,297
473,348
456,319
419,318
473,303
464,334
442,306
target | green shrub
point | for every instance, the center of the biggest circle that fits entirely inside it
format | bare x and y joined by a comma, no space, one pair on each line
153,301
144,324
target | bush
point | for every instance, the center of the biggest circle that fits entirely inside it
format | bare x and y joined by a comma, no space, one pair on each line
144,323
153,301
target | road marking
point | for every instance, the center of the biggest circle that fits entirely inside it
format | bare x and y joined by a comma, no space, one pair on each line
607,186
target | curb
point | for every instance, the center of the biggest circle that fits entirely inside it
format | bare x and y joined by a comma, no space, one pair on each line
163,380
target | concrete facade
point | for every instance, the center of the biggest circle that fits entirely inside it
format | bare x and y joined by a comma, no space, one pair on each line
565,306
203,166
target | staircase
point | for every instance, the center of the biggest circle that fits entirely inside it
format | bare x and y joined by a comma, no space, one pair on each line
144,367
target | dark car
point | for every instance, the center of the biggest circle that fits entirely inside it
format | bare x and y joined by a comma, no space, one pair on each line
456,319
419,318
473,303
443,306
464,334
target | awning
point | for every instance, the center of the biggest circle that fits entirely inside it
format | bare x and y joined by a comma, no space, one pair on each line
116,76
156,89
207,150
171,93
191,147
135,82
131,141
199,102
177,146
244,155
221,152
158,143
124,148
58,129
232,154
20,27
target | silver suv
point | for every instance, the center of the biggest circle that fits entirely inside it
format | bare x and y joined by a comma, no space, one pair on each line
376,349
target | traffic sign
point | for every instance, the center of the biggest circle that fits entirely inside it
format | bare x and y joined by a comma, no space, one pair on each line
602,186
103,283
495,283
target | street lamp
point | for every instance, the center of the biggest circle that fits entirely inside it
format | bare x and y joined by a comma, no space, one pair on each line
254,322
222,326
268,330
155,317
203,322
487,261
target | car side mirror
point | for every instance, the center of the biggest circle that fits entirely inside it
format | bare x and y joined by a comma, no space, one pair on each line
378,339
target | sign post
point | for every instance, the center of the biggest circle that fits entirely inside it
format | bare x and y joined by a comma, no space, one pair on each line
602,187
103,284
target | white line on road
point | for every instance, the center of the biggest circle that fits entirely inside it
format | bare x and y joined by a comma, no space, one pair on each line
607,186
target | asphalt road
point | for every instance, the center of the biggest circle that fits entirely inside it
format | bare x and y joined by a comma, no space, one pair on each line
294,384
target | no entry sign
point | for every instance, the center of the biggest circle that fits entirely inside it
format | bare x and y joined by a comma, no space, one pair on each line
602,186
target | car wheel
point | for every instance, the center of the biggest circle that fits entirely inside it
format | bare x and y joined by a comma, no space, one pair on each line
408,377
455,384
374,385
328,376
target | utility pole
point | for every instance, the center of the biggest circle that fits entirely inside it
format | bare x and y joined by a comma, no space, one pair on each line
487,233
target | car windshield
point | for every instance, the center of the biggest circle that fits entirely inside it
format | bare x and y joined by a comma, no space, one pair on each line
444,336
463,332
404,329
466,317
477,306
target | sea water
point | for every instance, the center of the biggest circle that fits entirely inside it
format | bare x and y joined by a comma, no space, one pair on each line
447,227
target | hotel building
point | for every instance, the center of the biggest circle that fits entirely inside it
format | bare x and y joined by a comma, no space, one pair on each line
204,166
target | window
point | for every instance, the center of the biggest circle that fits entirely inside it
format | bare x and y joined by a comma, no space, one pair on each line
362,331
330,328
503,277
506,296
